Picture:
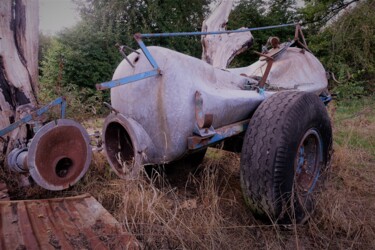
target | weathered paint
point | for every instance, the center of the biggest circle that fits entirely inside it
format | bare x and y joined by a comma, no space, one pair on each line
166,109
293,70
62,223
196,142
165,105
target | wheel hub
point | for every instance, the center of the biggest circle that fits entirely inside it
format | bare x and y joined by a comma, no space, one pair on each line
308,161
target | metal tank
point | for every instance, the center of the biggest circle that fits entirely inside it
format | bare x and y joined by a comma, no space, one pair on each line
167,104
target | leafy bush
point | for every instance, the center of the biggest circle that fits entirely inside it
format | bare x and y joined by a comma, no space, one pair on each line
253,13
75,61
78,58
346,48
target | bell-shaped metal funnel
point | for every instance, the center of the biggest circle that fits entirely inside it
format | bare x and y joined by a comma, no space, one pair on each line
59,154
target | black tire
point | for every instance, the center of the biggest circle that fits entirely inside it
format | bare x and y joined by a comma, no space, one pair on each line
285,152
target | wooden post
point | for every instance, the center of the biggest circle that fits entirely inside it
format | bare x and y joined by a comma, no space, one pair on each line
19,41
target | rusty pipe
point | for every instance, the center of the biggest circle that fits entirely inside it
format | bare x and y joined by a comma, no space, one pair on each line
17,160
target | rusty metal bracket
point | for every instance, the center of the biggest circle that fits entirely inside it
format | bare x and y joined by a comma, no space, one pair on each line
121,49
266,73
203,120
204,132
203,126
299,38
197,142
111,108
264,55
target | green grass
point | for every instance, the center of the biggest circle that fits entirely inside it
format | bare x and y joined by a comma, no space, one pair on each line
354,123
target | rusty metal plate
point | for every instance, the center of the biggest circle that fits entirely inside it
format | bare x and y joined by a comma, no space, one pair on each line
78,222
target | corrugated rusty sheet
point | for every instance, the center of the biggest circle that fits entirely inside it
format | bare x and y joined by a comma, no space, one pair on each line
78,222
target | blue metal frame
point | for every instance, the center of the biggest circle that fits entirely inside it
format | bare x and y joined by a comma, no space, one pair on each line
126,80
156,70
147,54
325,99
212,32
136,77
59,101
196,142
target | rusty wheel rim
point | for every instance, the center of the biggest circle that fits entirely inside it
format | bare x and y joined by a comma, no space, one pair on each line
308,162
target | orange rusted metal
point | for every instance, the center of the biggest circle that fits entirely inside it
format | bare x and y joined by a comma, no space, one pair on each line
78,222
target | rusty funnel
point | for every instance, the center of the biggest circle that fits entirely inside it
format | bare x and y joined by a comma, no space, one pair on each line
57,157
59,154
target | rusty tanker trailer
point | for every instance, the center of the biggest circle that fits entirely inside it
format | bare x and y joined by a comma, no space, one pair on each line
167,105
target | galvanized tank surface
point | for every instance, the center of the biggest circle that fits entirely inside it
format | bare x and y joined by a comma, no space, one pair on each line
296,69
164,106
156,115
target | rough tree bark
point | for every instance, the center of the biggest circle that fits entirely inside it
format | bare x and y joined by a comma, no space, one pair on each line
19,31
219,50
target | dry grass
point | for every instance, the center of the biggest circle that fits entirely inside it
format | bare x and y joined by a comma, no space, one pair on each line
205,209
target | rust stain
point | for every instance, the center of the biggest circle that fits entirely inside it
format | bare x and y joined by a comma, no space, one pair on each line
78,222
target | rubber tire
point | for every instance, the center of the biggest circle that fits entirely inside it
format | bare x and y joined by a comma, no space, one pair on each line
269,152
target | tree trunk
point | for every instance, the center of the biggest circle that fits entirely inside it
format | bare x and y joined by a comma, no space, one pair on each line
19,35
219,50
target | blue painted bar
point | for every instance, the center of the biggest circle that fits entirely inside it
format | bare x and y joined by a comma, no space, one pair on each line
147,54
39,112
197,142
63,108
213,32
126,80
325,99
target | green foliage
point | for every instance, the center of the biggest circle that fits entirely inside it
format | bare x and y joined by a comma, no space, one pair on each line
45,43
354,120
346,48
83,103
122,19
90,56
74,62
78,58
317,13
252,13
